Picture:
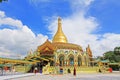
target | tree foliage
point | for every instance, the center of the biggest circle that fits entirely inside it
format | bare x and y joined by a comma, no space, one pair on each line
117,50
113,56
110,56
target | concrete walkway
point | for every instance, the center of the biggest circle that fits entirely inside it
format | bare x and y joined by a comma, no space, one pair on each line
9,77
71,77
81,76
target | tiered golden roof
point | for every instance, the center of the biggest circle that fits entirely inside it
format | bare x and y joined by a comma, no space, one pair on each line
67,46
47,45
59,36
59,41
58,45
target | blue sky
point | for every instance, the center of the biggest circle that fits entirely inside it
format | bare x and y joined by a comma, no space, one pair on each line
107,13
28,23
34,15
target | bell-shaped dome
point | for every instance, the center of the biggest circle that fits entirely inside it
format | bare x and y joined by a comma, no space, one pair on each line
59,36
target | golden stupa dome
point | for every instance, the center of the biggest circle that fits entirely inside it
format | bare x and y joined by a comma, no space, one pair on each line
59,42
59,36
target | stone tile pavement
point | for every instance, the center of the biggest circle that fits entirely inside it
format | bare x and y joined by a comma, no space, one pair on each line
81,76
15,76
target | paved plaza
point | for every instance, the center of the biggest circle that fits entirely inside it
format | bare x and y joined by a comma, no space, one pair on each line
81,76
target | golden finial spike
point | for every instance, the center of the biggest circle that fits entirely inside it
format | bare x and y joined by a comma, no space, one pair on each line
59,19
88,46
59,25
59,36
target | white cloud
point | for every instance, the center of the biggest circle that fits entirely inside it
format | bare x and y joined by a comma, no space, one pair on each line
9,21
17,41
80,5
107,43
37,2
79,29
2,14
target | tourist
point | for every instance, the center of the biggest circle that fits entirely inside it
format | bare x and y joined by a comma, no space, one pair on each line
100,71
74,72
1,71
110,70
40,70
13,70
35,70
69,71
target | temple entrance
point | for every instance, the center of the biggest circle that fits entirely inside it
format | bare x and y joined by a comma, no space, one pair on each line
79,61
61,60
71,60
40,65
41,62
46,54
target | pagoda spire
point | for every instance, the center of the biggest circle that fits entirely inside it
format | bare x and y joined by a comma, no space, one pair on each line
59,36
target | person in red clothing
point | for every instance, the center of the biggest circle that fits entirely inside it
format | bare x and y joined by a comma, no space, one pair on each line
110,70
5,68
74,71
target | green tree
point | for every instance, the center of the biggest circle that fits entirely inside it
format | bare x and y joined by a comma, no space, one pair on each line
117,50
117,58
110,56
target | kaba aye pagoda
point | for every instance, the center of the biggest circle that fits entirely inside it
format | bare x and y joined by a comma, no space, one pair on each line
59,56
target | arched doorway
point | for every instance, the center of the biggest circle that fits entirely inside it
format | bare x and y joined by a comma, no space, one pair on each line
52,63
61,60
71,60
41,64
79,61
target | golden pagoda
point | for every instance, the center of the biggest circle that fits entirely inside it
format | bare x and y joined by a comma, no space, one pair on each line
59,54
56,57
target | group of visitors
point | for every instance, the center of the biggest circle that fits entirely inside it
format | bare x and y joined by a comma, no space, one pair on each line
7,70
36,70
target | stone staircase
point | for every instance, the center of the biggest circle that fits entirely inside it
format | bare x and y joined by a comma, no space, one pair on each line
56,70
45,69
